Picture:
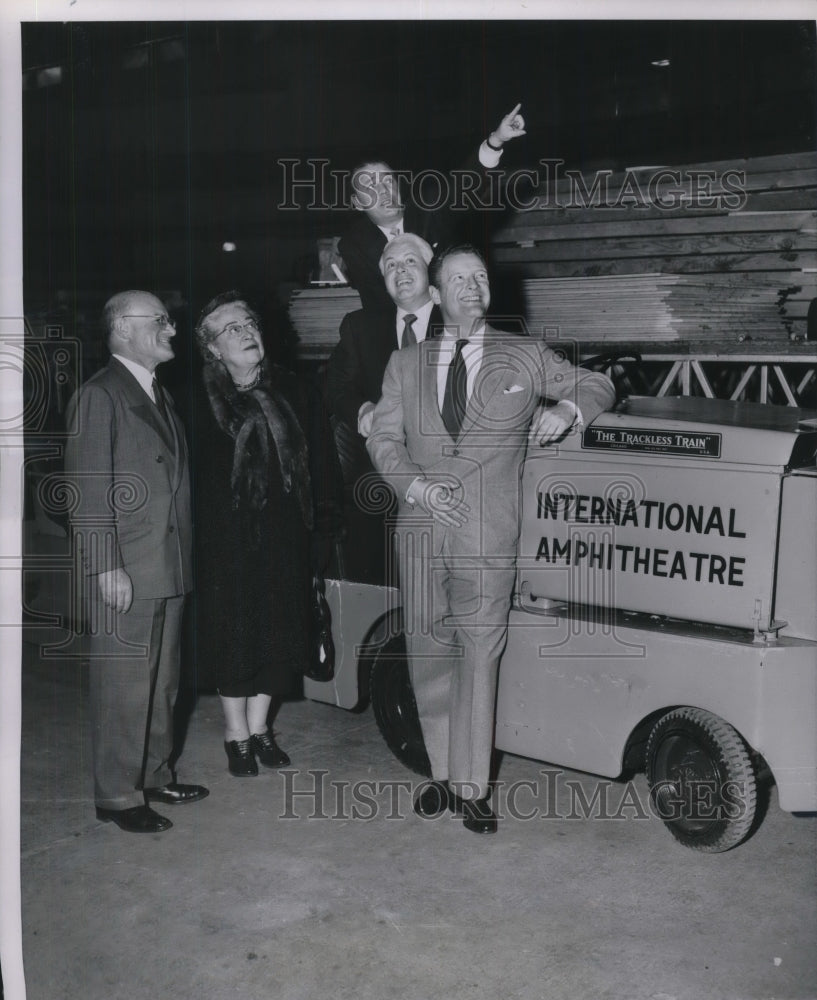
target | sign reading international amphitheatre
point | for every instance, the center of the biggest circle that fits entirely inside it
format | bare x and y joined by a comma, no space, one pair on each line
648,533
706,444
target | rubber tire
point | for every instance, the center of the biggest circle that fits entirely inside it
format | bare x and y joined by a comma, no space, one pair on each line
688,746
394,707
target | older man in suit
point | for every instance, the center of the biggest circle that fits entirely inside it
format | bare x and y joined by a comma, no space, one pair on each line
127,460
384,212
450,434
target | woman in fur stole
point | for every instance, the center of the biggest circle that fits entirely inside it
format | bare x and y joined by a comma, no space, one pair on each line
253,519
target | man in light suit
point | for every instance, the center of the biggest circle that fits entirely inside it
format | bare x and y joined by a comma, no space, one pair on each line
384,212
450,434
354,379
127,462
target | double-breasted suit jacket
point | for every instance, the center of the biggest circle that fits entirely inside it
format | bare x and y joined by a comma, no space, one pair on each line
457,581
129,470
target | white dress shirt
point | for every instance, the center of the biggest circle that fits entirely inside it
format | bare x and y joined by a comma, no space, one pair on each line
472,355
420,325
393,231
141,374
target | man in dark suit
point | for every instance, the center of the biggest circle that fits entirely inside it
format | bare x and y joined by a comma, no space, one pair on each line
383,213
367,338
449,434
127,461
354,377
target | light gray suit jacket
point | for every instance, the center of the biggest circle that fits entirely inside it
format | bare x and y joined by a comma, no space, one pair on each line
408,437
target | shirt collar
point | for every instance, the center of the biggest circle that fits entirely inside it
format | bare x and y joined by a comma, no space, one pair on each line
139,372
476,336
387,230
422,313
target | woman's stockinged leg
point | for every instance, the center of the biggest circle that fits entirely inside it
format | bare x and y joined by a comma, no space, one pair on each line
236,725
257,712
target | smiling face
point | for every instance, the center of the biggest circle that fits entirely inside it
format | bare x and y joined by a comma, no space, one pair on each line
143,331
235,339
464,292
375,192
405,273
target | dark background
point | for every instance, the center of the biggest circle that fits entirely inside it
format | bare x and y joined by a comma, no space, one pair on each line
147,145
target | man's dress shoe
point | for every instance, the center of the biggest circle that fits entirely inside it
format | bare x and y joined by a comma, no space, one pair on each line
175,794
431,801
240,759
265,748
139,819
477,815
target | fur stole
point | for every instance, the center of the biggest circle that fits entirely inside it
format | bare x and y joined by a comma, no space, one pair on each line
254,419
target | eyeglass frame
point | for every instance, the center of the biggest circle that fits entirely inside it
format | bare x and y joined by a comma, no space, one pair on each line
162,321
230,329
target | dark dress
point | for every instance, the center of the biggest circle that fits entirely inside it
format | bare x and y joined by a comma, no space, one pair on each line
253,575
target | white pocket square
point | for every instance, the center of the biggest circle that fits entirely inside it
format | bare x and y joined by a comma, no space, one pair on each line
513,388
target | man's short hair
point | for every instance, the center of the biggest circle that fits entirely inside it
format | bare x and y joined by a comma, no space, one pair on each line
204,335
408,239
370,161
440,256
116,306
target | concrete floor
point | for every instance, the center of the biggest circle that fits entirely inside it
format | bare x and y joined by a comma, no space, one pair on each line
358,898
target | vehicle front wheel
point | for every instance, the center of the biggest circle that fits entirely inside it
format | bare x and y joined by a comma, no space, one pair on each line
703,783
395,709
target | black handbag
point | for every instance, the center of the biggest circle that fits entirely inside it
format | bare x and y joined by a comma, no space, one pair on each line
321,665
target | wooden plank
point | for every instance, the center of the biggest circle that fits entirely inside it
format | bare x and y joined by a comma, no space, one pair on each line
662,187
766,201
666,246
772,201
777,266
805,177
736,222
795,160
759,164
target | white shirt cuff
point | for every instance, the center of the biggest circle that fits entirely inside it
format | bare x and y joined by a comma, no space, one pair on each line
489,157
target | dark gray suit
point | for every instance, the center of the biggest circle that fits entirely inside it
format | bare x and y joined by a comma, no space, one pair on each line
457,582
129,471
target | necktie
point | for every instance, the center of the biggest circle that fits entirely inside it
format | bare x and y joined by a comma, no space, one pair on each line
409,336
456,391
159,400
394,233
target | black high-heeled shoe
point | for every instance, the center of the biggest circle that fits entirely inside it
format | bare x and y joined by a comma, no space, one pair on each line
240,759
267,750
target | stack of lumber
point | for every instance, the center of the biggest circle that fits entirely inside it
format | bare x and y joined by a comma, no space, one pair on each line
642,308
618,308
316,314
727,251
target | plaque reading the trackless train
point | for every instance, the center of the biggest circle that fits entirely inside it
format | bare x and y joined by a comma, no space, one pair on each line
696,443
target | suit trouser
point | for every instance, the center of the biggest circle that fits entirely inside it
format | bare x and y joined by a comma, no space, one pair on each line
134,678
455,607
